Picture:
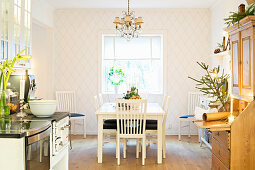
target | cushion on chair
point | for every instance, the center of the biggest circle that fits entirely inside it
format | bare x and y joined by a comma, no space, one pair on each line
110,126
186,116
151,126
110,121
151,121
76,115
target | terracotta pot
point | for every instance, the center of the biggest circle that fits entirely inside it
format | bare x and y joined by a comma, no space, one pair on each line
250,1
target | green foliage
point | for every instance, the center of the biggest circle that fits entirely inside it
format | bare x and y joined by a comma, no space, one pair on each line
235,17
132,93
116,74
220,45
213,84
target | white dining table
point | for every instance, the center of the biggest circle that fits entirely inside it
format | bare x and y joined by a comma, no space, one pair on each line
108,111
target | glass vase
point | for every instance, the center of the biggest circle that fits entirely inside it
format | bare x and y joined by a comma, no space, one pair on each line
4,103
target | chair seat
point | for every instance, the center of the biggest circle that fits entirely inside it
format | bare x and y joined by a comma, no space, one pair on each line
110,126
153,126
76,115
110,121
151,121
186,116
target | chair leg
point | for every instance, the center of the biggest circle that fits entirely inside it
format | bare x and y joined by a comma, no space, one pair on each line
164,143
84,127
180,129
199,140
46,147
144,151
41,146
137,148
149,141
29,152
140,145
189,129
125,148
118,150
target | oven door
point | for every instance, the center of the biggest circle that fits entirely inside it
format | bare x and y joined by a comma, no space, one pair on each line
38,150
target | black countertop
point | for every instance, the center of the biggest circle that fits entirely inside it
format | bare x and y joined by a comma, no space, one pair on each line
15,127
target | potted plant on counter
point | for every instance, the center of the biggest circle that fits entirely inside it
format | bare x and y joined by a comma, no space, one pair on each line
6,68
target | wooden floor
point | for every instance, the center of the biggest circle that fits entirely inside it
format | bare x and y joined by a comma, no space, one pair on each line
180,155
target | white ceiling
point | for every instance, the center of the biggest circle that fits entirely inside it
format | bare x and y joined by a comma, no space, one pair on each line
60,4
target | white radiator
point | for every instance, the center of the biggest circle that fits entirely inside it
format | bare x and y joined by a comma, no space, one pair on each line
193,101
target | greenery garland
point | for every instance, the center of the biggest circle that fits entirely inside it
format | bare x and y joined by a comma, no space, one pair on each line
116,73
235,17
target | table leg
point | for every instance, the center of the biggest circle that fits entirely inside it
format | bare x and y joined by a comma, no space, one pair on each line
159,140
100,139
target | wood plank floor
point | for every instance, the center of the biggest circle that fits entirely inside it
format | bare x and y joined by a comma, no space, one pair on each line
180,155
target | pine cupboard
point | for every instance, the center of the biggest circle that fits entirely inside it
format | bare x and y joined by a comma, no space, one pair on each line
242,39
234,147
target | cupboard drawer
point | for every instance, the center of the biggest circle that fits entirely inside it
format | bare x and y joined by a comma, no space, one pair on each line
217,164
221,152
222,137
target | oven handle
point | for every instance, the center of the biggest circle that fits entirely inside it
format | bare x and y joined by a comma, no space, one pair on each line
39,136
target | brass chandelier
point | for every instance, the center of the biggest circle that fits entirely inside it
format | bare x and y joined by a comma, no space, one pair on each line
128,26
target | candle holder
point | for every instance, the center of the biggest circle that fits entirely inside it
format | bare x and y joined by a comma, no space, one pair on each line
21,114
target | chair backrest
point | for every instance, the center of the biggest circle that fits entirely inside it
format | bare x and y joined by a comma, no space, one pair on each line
66,101
131,117
100,99
166,110
164,102
193,101
96,103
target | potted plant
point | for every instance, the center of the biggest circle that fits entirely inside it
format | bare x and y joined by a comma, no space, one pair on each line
116,77
6,68
214,85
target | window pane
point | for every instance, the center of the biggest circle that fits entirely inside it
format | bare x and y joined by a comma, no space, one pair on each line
156,47
136,48
108,47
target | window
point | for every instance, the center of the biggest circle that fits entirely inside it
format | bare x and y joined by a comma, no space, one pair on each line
140,60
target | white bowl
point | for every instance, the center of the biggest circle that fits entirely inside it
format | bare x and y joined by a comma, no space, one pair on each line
43,108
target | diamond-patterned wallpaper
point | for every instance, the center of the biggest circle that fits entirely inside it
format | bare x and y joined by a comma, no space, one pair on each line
77,46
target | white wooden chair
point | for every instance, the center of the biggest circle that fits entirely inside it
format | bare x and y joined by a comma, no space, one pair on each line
131,123
66,102
164,102
193,101
109,128
151,128
100,99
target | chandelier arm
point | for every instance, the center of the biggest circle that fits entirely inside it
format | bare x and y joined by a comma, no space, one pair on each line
128,7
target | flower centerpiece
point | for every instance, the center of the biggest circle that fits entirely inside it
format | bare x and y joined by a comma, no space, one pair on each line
132,94
6,68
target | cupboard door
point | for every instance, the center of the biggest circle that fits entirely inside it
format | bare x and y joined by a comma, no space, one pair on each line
235,64
246,60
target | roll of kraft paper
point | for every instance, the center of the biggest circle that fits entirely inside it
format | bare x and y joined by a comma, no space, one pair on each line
216,116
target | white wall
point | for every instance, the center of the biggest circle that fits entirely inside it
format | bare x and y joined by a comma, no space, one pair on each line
43,12
42,49
43,59
78,54
219,11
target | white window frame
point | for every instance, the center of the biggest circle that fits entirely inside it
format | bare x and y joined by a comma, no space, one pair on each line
162,59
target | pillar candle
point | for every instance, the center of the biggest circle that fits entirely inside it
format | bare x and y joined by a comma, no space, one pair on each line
22,87
232,106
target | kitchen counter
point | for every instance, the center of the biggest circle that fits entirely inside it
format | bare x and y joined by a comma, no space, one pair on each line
15,127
